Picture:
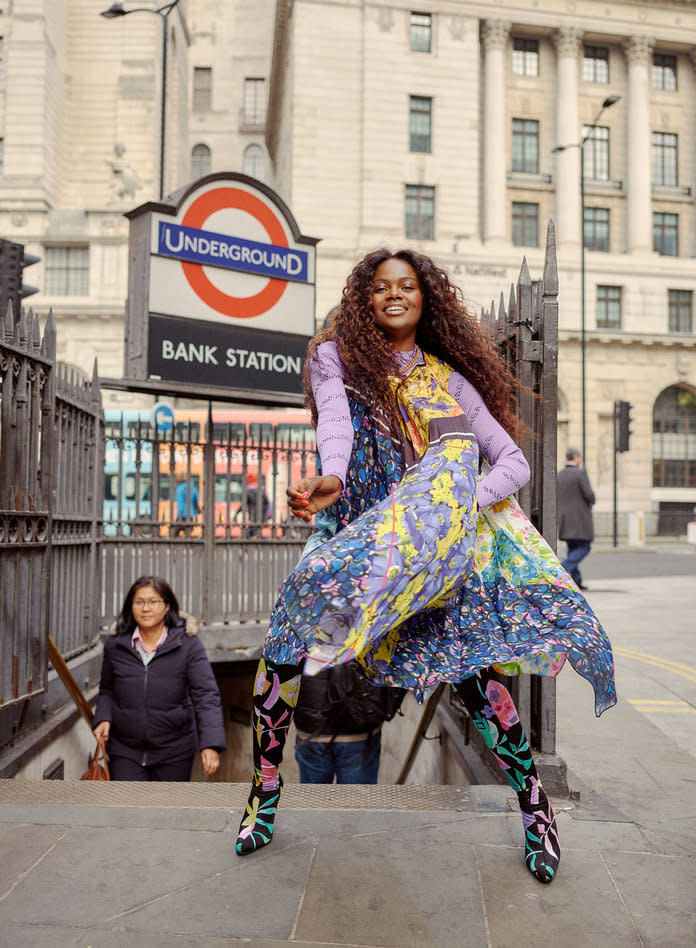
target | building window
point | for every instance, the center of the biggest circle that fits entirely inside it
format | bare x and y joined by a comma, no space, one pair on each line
680,309
525,224
254,101
664,159
596,228
666,234
595,153
608,307
254,163
200,161
420,212
595,64
421,32
67,271
420,123
525,56
674,438
202,88
664,73
525,145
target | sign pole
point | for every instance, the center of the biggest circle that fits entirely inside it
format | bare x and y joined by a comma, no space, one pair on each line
615,452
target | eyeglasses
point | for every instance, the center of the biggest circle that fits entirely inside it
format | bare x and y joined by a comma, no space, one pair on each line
152,603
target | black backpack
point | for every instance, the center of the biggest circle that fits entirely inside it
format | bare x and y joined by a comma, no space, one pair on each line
340,700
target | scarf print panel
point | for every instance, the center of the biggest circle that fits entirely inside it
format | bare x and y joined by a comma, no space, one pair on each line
517,610
376,465
402,556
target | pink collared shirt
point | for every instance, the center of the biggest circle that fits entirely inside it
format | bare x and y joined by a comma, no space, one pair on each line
139,645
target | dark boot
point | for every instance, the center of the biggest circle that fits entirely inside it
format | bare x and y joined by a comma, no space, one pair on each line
276,688
495,717
541,845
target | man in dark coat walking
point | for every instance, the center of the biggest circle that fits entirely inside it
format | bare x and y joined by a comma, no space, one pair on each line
575,500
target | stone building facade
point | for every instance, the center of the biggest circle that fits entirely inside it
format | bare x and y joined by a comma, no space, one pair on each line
79,114
437,125
442,129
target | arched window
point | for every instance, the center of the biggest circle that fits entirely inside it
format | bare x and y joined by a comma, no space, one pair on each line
254,164
200,161
674,438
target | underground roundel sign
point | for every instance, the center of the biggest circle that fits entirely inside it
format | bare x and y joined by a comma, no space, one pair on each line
221,287
232,251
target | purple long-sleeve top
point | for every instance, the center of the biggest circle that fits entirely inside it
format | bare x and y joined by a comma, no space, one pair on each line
508,466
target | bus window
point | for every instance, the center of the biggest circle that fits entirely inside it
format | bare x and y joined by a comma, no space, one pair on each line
164,487
295,434
129,492
224,431
145,485
111,487
112,429
221,482
260,432
140,429
186,431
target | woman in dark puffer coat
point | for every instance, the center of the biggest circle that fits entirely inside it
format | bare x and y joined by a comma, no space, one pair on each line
158,699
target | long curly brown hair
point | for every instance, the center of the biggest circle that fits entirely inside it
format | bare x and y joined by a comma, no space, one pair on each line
446,330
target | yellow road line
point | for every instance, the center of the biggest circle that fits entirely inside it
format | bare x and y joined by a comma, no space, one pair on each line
685,671
657,706
654,701
652,710
630,652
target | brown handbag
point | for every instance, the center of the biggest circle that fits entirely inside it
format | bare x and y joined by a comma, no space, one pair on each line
96,770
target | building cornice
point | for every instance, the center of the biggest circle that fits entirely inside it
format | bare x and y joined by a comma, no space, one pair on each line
627,338
592,19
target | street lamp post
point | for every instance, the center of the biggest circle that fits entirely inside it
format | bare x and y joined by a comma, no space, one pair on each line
116,10
609,101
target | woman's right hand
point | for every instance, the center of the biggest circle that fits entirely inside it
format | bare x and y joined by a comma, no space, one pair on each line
312,494
102,730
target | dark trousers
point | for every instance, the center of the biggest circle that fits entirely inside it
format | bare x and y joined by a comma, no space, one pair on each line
577,551
123,768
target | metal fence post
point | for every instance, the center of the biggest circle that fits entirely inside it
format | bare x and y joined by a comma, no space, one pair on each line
208,520
528,336
26,498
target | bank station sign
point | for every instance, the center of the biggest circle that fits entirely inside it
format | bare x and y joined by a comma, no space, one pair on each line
221,288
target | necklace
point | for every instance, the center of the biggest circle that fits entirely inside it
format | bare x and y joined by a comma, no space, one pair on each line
405,369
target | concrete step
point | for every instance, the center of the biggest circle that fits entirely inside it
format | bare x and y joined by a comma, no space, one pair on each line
216,795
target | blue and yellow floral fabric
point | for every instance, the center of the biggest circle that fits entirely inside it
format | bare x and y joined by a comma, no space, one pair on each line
416,583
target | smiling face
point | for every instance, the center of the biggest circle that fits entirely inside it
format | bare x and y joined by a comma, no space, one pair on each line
149,609
397,302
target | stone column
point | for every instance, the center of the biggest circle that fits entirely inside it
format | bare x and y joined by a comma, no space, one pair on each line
638,145
568,132
495,225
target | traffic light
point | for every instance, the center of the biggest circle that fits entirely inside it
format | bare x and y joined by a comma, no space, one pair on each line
13,260
623,421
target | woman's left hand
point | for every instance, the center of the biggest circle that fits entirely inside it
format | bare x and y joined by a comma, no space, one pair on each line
210,760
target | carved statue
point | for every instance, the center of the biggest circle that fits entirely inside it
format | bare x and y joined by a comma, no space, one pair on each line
125,180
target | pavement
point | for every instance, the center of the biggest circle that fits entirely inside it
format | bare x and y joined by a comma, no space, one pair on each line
107,865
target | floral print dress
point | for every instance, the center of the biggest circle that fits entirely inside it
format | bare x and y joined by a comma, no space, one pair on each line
405,575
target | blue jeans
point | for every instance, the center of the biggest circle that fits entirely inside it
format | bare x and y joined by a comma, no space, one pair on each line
349,761
577,551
